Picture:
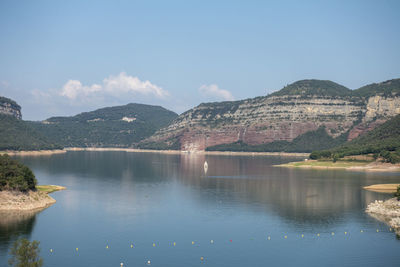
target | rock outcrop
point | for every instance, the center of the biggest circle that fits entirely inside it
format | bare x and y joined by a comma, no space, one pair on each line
284,115
10,107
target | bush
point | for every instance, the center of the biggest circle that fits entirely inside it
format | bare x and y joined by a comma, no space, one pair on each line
15,176
397,194
25,254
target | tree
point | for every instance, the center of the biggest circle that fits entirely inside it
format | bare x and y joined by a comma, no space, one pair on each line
25,254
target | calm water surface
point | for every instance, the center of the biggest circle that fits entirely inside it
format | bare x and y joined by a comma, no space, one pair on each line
244,204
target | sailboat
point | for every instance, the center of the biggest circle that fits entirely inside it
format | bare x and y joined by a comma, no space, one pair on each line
205,166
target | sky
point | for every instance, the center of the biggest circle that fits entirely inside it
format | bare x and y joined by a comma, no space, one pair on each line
60,58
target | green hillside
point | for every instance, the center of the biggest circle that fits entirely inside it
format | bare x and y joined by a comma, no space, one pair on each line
383,141
16,134
314,87
387,88
304,143
105,127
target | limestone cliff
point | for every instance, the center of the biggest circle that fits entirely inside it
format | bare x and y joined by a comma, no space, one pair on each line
10,107
282,116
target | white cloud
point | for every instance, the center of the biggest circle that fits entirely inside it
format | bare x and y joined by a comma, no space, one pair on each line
116,86
214,91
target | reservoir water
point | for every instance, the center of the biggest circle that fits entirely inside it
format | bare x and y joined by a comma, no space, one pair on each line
162,209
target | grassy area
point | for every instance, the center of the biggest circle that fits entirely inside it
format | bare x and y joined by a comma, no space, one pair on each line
49,188
326,164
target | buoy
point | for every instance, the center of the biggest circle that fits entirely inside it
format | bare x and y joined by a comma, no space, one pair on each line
76,249
390,229
51,250
332,233
131,245
148,262
302,235
285,236
107,247
122,264
201,258
318,234
192,242
154,244
345,233
174,244
362,231
377,230
269,238
212,241
230,240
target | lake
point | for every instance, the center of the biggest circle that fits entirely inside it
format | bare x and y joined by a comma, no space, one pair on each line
132,208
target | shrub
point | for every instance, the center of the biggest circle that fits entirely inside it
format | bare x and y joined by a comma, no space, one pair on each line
15,176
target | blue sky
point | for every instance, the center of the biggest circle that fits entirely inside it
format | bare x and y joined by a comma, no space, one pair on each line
66,57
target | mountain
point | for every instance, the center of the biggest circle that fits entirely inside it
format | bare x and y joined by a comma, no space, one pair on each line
301,107
16,134
382,141
120,126
10,107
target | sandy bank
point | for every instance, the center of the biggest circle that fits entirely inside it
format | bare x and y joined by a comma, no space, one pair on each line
345,165
382,188
283,154
386,211
33,153
29,201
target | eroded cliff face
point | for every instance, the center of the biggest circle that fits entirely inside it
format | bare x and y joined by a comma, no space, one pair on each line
9,107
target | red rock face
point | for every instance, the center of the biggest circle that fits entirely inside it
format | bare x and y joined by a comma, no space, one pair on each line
363,128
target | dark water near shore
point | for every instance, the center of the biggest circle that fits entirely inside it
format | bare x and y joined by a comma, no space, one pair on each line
116,199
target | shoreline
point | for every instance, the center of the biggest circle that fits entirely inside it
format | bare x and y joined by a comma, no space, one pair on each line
386,211
382,188
343,165
135,150
15,201
33,152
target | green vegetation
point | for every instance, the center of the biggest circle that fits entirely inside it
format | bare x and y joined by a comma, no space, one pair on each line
16,134
304,143
9,101
49,188
314,87
342,164
397,194
387,88
25,254
15,175
383,141
105,127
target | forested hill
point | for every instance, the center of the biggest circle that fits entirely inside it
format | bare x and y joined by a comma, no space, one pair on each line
383,141
120,126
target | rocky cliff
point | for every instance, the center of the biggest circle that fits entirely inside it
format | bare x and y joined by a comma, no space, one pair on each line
10,107
282,116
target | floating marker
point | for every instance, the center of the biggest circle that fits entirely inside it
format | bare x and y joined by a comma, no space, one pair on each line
377,230
202,258
345,233
174,244
192,242
302,235
154,244
76,249
122,264
131,245
390,229
285,236
269,238
107,247
332,233
318,234
230,240
212,241
148,262
362,231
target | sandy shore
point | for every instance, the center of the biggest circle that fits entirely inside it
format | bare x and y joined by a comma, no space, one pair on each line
29,201
382,188
345,165
386,211
283,154
33,153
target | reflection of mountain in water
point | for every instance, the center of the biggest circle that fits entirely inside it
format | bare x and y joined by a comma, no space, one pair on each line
303,196
14,225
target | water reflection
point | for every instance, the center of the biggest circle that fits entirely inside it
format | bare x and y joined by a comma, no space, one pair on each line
14,224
